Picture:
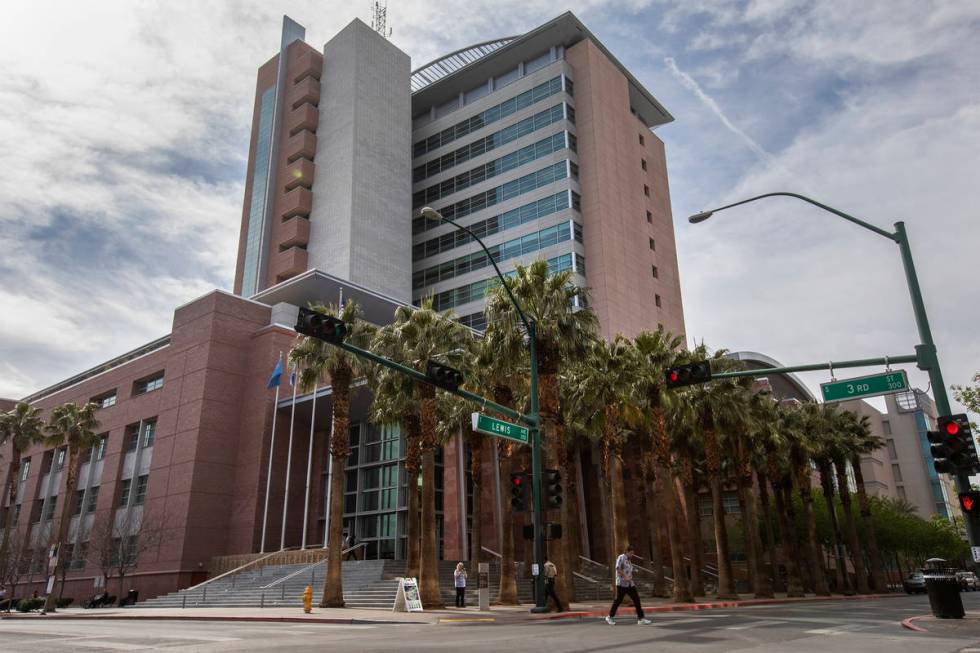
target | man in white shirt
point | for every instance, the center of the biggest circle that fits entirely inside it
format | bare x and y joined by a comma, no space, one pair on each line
625,586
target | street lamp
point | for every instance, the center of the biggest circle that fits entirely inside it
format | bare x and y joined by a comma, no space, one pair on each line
532,419
927,359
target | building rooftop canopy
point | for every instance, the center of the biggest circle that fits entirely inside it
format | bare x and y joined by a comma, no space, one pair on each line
439,81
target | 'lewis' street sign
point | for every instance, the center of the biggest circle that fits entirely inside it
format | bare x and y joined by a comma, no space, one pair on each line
865,386
500,428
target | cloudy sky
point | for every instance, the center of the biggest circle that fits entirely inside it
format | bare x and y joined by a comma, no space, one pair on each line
124,136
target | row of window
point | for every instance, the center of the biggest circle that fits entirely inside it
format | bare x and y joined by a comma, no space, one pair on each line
45,510
140,387
489,116
486,144
477,290
490,169
526,244
496,224
501,193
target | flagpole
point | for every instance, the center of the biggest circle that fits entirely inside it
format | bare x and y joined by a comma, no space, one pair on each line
289,462
309,468
326,529
268,477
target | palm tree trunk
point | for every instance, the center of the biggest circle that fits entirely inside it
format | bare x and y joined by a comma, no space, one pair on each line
333,587
857,551
828,494
695,541
655,525
874,555
412,463
562,550
766,510
712,454
12,480
760,581
805,490
508,580
682,591
794,583
476,471
429,572
65,520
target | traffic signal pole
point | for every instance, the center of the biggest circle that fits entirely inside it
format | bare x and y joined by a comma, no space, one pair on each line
926,356
540,603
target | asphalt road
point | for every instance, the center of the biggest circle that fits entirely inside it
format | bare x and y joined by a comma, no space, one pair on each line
837,627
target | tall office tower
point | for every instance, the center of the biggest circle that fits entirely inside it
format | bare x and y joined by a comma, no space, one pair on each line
327,183
541,144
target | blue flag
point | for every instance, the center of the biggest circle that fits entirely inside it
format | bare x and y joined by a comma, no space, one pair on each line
292,377
276,376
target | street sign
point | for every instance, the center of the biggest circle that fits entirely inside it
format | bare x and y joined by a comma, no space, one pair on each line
975,550
500,428
865,386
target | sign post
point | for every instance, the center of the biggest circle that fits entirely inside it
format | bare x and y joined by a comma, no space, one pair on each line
483,585
865,386
499,428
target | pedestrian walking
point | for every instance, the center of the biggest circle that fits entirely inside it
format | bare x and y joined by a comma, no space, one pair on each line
625,587
460,577
550,573
349,544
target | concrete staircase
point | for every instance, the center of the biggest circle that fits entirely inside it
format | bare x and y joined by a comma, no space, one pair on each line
366,585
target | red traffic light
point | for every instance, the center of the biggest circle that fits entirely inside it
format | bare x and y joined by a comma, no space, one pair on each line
516,480
952,428
970,501
673,376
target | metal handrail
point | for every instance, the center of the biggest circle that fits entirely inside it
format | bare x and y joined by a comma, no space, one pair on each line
228,573
491,552
586,578
599,564
293,575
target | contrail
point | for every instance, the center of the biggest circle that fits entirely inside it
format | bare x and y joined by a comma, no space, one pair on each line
688,82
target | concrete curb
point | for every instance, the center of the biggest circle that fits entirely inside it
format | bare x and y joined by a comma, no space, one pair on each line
907,623
135,617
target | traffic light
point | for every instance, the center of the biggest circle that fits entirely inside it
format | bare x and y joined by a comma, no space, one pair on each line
444,376
970,502
520,491
690,374
320,326
552,489
953,449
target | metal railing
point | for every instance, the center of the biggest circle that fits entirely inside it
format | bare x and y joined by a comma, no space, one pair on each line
229,573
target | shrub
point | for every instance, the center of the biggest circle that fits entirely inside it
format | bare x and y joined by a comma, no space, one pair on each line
65,602
8,604
27,605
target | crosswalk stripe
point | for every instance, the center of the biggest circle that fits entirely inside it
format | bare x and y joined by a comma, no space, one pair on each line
758,624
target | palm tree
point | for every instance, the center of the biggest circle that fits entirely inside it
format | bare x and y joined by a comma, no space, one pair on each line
317,360
454,418
761,413
23,428
562,333
719,407
689,456
419,336
73,426
799,425
845,447
864,443
824,445
656,352
777,453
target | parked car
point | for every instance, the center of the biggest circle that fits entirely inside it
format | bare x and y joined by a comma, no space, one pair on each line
968,581
914,583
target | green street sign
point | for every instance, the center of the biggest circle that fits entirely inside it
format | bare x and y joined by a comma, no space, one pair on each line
865,386
499,428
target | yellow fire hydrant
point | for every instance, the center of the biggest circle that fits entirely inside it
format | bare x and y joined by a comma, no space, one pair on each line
308,600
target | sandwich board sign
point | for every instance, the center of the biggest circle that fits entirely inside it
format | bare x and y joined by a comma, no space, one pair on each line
407,599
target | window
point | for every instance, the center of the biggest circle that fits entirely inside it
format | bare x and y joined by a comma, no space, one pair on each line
140,490
897,472
37,510
642,142
100,447
49,509
649,217
76,508
656,299
149,384
132,437
704,505
653,244
124,487
79,556
729,501
646,190
643,163
105,399
128,550
890,445
886,426
655,272
25,468
901,493
573,170
59,459
149,432
92,499
576,201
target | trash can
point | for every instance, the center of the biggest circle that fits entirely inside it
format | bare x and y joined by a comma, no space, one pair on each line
133,594
943,590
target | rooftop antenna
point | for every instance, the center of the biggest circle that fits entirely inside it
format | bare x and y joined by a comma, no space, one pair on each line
379,19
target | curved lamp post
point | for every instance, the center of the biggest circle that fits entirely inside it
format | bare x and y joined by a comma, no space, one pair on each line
927,359
532,419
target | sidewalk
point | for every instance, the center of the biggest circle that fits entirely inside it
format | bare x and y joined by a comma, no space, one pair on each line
498,614
968,626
